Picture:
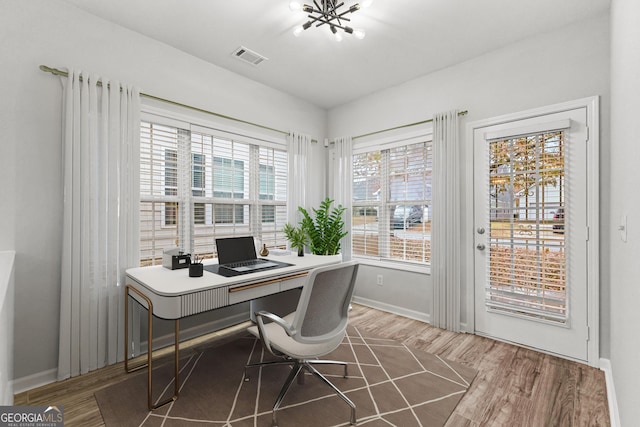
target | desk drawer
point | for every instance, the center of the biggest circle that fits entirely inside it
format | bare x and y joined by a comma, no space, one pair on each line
199,302
252,291
293,283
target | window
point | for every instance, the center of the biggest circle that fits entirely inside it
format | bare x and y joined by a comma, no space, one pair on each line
267,191
392,202
198,184
526,208
228,182
228,177
171,185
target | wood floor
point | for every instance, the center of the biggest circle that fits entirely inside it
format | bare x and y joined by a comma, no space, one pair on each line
514,387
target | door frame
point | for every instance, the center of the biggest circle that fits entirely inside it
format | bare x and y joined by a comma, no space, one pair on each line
593,217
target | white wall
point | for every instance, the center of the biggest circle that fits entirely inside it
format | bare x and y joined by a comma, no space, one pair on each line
625,200
7,285
7,177
564,65
56,34
402,292
560,66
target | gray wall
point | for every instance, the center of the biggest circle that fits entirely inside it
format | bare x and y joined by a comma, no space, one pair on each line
402,292
625,200
57,34
7,285
575,64
572,63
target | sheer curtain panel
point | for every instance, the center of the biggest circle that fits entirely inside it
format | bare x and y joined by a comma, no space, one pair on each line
298,146
101,139
445,238
343,187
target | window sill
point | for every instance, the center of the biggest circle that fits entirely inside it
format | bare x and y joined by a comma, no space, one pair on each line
414,268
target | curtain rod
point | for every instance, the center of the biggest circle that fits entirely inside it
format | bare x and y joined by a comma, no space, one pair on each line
62,73
461,113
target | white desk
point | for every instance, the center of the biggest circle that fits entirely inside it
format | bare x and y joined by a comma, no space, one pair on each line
172,294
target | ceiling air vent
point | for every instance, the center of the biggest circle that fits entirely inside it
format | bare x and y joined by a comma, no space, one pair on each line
247,55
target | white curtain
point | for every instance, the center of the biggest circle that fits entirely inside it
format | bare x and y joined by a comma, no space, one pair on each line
342,194
445,238
298,149
100,220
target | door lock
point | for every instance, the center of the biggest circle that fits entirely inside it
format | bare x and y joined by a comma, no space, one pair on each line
480,230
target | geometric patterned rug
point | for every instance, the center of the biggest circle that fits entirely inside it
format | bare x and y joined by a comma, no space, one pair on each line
390,384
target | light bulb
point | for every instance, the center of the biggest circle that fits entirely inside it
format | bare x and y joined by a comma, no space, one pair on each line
298,30
338,36
359,33
366,3
295,5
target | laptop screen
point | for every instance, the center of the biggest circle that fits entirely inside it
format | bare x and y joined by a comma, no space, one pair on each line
235,249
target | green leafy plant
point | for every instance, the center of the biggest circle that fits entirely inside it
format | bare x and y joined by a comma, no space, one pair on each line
326,230
297,236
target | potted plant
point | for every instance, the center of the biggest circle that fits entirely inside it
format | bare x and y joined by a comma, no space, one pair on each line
297,237
326,231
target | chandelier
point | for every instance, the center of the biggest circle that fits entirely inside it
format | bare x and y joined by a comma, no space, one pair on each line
328,12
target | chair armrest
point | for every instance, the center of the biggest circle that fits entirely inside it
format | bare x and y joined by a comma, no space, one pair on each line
275,319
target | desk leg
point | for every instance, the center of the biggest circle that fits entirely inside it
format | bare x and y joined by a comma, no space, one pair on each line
149,364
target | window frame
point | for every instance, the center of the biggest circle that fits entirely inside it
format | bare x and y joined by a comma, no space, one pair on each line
186,234
592,110
387,141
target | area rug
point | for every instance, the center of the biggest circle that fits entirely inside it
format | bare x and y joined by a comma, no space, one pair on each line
389,383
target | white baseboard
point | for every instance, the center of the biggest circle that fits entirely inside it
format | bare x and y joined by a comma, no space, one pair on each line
35,380
412,314
614,415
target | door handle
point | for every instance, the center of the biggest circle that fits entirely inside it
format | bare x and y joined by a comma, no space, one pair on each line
480,246
480,230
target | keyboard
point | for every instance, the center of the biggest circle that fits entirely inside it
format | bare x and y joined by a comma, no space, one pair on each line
249,265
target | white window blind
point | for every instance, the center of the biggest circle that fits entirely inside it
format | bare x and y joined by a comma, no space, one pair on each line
159,201
272,196
527,273
197,186
392,202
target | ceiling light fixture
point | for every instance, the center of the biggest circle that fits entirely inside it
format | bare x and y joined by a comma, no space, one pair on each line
328,12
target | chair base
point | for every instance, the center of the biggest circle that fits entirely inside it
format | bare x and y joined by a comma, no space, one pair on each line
296,370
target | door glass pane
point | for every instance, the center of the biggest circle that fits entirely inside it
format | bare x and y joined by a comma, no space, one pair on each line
527,234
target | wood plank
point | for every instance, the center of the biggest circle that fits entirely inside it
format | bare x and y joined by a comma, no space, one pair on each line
514,386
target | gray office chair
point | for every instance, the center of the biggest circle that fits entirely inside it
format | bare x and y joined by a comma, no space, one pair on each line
316,328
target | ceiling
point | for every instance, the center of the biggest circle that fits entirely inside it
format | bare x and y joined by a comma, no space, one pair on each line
404,38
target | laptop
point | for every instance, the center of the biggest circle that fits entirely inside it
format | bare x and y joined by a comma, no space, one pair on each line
238,254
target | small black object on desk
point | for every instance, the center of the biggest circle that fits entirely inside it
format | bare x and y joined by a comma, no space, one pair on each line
196,268
174,262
